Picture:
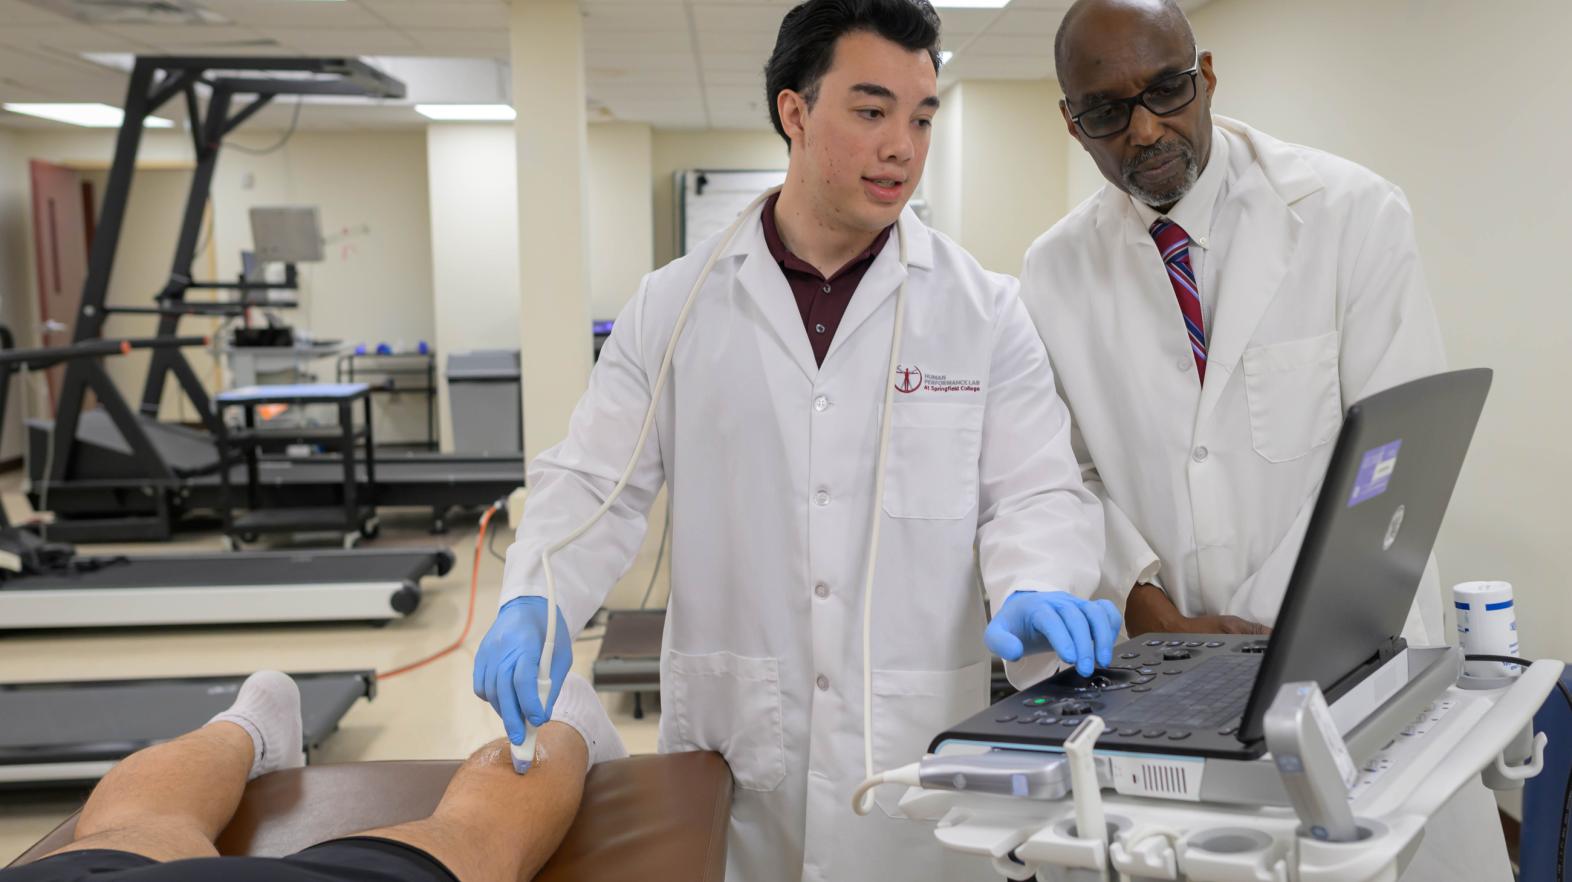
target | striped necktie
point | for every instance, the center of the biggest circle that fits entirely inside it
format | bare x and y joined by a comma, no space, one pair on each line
1173,243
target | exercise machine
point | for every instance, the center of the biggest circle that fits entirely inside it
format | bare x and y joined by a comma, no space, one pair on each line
48,585
116,473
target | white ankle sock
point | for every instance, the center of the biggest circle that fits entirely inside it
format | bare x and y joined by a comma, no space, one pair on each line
268,708
578,706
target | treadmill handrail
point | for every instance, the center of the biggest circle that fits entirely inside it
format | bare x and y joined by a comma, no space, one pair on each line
49,356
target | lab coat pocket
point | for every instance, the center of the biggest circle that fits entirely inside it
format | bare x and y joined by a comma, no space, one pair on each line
932,464
1292,388
910,708
732,705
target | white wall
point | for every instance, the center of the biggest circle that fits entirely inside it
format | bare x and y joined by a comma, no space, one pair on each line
673,151
621,237
474,231
375,283
1082,178
1463,106
942,183
474,243
996,170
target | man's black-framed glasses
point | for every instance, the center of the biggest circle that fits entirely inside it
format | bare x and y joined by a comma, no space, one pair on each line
1168,95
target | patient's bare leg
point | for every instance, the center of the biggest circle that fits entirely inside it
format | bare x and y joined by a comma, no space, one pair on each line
169,801
495,825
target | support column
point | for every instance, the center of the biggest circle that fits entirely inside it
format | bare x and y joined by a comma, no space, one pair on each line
554,293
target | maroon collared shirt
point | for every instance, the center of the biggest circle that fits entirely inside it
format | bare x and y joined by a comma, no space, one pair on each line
821,301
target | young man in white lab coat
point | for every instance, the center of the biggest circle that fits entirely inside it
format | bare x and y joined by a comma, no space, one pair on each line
1210,313
768,436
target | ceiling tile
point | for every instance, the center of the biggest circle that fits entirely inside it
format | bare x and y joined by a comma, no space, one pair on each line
217,39
599,41
996,67
31,64
735,94
490,43
956,22
71,38
332,41
633,63
753,79
758,43
999,45
1029,22
449,14
645,16
736,17
15,12
645,98
281,14
732,62
660,78
644,58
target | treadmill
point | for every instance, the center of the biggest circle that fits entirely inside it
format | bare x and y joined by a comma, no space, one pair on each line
117,473
69,734
44,585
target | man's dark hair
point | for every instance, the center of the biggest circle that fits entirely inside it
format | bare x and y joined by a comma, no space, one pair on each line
805,46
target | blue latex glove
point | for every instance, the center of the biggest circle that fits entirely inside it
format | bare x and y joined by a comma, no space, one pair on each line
508,663
1082,632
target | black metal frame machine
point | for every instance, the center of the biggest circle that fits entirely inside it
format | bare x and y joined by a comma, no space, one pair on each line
47,585
114,473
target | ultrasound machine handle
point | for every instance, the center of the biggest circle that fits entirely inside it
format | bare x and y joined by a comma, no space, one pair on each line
1313,761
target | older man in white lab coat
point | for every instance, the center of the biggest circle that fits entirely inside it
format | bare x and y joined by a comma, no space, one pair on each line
768,437
1210,313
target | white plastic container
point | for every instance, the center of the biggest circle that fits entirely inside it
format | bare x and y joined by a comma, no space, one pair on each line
1486,625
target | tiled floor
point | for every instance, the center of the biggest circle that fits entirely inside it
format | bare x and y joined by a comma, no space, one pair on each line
427,713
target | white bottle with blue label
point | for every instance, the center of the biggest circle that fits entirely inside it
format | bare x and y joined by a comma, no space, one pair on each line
1486,625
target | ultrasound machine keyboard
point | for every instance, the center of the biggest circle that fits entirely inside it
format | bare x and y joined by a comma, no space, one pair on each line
1214,692
1164,693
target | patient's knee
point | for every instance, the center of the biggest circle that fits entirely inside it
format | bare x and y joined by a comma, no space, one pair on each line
557,746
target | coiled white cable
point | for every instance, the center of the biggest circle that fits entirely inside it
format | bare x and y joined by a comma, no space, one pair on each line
524,753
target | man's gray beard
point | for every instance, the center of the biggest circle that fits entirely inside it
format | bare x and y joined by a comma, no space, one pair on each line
1192,171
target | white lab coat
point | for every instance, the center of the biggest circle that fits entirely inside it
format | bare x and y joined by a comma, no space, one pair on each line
770,461
1320,301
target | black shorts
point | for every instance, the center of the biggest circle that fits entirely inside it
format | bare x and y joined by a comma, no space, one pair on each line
354,859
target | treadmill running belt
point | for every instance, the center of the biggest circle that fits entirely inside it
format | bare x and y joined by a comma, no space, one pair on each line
64,722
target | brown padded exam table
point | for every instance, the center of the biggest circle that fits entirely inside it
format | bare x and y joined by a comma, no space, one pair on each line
650,817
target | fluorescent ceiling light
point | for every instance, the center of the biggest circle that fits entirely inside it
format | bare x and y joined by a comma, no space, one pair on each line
971,4
466,112
98,116
945,56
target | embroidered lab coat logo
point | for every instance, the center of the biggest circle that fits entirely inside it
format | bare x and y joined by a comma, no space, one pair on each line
911,379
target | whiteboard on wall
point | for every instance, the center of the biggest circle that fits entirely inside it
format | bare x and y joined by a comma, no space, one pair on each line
710,199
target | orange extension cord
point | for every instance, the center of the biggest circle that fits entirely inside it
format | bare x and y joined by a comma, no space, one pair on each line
469,617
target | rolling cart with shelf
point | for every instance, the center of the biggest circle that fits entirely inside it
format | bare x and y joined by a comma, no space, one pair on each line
355,517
